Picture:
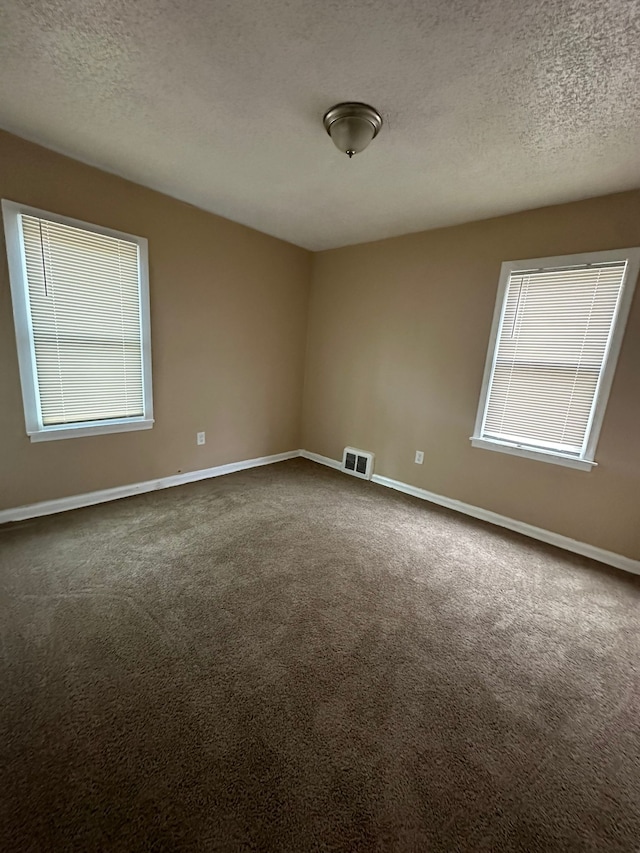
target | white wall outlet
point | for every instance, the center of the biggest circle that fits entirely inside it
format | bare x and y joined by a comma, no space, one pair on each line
201,438
419,457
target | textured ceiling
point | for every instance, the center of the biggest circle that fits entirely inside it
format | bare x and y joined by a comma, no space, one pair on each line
490,106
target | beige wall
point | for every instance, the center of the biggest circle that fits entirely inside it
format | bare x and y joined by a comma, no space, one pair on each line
397,338
228,326
398,335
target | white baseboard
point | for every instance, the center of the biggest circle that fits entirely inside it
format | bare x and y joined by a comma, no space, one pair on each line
323,460
102,496
20,513
582,548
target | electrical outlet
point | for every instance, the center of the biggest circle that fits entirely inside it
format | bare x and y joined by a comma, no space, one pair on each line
419,457
200,438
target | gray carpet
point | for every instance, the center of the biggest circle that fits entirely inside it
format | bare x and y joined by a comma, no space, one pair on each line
288,659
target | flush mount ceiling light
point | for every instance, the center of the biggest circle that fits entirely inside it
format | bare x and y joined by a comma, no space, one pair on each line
352,126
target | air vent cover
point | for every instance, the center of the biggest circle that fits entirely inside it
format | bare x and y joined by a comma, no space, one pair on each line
359,463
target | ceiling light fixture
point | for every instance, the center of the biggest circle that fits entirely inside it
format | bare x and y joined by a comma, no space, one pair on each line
352,126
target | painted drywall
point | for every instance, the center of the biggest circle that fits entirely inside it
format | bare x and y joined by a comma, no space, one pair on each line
398,335
228,326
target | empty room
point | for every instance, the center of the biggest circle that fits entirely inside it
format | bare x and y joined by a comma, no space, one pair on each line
320,426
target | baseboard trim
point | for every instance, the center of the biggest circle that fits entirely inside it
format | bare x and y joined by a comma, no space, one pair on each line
322,460
557,539
582,548
21,513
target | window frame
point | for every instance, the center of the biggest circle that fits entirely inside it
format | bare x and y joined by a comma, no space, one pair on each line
35,429
586,460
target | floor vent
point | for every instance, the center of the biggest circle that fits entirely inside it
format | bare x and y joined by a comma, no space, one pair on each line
357,462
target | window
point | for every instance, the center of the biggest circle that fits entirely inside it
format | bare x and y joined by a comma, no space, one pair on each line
556,334
81,309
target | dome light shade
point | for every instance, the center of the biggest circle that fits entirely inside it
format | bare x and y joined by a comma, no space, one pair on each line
352,126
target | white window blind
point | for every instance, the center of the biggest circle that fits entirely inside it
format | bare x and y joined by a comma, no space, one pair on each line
84,303
551,349
81,310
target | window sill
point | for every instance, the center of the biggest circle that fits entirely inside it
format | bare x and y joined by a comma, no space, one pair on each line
529,453
83,429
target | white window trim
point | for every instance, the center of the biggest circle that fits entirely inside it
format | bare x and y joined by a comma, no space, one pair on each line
24,332
586,460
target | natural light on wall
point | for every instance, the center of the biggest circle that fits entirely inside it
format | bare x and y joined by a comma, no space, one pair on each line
557,331
79,304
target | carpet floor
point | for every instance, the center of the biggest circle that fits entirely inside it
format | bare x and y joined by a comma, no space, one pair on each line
289,659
